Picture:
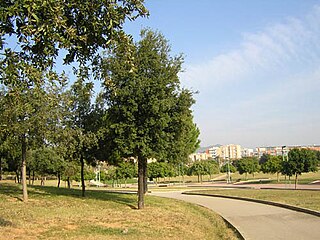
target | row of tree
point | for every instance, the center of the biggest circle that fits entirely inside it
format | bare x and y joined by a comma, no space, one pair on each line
297,161
141,112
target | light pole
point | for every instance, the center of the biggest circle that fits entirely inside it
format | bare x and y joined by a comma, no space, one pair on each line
285,176
228,180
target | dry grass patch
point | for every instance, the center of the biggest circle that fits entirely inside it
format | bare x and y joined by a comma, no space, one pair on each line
53,213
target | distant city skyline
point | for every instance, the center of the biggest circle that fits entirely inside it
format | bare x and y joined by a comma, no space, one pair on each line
256,65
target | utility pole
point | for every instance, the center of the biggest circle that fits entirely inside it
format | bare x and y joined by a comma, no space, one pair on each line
228,180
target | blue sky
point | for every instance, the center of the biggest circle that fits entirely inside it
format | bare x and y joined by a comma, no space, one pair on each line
255,63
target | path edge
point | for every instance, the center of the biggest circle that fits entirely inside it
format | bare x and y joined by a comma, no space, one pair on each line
199,205
282,205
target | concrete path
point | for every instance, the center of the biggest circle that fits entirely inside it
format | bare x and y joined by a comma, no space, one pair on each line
257,221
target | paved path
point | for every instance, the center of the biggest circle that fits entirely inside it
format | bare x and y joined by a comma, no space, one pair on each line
257,221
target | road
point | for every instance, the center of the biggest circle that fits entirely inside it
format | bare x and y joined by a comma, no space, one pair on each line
257,221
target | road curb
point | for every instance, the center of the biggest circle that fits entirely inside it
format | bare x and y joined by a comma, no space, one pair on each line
294,208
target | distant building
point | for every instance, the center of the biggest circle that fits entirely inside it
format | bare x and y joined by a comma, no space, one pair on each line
231,151
247,152
279,150
199,156
214,152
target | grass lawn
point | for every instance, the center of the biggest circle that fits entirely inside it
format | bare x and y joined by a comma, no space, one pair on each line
300,198
304,178
53,213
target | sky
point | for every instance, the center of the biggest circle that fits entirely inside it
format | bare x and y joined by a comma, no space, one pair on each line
255,64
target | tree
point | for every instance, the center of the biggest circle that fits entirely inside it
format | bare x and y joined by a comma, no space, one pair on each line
211,167
248,165
300,161
198,169
126,170
46,162
40,29
29,114
81,134
273,164
156,170
142,91
224,168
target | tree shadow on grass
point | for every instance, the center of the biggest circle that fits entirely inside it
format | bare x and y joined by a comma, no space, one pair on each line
121,198
14,191
10,190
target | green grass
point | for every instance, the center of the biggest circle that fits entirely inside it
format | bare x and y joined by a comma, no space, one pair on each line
301,198
304,178
53,213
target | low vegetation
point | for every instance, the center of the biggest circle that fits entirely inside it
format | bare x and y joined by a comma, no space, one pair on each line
53,213
300,198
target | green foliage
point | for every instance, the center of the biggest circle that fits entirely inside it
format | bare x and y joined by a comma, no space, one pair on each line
160,170
46,161
273,164
126,170
224,168
300,161
199,168
89,174
42,28
148,114
248,165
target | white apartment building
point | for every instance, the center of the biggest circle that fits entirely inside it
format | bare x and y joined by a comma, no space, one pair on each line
214,152
247,152
231,151
199,156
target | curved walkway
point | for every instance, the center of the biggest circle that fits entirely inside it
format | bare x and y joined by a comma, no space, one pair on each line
257,221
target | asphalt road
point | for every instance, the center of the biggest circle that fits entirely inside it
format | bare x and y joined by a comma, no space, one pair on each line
257,221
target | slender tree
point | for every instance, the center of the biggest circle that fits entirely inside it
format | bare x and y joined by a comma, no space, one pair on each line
81,135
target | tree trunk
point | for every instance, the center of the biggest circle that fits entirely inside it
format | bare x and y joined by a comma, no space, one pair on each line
24,168
145,175
32,177
59,179
141,182
278,177
68,181
0,168
29,176
246,177
82,176
17,179
296,181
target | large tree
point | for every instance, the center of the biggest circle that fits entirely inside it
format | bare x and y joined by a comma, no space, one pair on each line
149,114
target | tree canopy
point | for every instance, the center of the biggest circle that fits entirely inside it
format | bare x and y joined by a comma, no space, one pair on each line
149,114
